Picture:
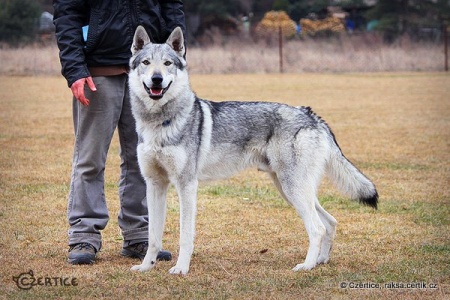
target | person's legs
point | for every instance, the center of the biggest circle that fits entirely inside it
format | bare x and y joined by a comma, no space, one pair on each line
94,127
133,215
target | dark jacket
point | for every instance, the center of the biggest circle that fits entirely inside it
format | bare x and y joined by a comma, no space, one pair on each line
111,29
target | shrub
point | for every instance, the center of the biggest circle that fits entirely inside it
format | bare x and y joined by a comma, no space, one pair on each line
18,21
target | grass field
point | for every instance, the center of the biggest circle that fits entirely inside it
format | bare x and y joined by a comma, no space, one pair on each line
393,126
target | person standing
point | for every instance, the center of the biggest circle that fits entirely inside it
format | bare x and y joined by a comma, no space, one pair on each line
94,39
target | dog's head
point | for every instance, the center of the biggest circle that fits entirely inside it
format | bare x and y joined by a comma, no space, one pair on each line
154,68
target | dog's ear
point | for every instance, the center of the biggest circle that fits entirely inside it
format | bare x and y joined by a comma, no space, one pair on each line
176,41
140,39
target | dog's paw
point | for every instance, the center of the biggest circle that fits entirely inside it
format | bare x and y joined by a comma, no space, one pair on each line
140,268
179,271
323,260
302,267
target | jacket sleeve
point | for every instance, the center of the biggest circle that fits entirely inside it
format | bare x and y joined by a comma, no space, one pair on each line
69,18
173,13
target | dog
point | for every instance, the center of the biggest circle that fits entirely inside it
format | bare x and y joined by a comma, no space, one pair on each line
184,139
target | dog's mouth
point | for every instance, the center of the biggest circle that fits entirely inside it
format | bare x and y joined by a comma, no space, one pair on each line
156,92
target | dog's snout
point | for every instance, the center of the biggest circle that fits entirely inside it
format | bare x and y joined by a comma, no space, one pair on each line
157,79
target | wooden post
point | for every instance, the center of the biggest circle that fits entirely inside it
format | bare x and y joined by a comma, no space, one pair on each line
446,46
280,46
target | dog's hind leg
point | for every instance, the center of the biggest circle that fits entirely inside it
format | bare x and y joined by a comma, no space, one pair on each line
327,243
300,192
278,186
328,220
156,202
187,194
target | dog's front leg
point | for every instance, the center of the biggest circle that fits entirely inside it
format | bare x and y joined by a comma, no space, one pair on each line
187,193
156,202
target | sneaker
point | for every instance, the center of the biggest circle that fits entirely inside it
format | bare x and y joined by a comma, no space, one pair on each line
139,250
82,254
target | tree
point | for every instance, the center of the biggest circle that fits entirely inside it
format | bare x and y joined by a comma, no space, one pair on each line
210,13
279,5
298,9
399,17
18,21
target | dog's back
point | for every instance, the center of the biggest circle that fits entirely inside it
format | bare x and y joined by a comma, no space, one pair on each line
250,134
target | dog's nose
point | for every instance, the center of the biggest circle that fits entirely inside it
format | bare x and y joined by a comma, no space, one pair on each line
157,79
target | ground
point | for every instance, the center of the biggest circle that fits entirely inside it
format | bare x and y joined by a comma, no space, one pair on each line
395,127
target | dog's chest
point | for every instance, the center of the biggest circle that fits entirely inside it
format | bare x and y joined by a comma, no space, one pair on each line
153,157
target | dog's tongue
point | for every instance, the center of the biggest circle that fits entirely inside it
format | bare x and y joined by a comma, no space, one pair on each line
156,91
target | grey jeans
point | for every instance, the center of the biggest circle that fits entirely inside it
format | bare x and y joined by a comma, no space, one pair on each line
94,128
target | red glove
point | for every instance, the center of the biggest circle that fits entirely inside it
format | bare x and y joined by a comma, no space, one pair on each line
78,89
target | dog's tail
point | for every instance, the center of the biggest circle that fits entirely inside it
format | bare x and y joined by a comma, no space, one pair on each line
348,179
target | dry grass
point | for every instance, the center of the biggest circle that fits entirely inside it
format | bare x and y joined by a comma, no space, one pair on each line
346,54
343,54
394,126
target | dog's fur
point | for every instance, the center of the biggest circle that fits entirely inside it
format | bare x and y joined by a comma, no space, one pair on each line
184,139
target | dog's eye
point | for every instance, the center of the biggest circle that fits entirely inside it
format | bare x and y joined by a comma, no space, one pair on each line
146,62
167,63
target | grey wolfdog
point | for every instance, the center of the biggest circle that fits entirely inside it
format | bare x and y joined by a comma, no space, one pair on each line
185,139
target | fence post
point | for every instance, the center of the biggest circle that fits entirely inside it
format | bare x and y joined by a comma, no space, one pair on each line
280,46
446,46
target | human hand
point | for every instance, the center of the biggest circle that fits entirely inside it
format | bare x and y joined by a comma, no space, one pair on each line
78,89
